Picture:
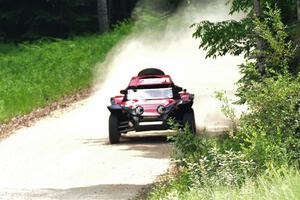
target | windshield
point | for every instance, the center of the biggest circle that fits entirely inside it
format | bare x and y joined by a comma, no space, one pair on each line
157,93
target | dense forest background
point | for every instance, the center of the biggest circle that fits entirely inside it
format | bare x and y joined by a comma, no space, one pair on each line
33,19
36,19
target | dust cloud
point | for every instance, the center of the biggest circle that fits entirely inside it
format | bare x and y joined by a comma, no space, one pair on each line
175,52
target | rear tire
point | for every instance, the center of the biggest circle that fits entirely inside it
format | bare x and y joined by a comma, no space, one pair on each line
114,133
189,118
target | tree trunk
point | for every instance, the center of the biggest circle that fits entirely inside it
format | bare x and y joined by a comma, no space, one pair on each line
103,21
298,10
110,12
259,41
257,8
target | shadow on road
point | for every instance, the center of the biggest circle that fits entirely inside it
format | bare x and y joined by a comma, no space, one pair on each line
147,146
143,139
130,139
104,192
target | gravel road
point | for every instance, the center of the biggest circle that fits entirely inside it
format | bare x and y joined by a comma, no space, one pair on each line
67,156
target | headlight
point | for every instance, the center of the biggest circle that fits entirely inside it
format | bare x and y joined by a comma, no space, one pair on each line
161,109
139,110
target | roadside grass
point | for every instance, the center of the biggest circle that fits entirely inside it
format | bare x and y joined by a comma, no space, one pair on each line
275,185
283,185
36,74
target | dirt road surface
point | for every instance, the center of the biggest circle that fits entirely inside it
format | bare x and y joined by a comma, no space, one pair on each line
67,155
62,158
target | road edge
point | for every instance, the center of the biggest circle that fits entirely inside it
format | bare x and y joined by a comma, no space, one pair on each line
27,120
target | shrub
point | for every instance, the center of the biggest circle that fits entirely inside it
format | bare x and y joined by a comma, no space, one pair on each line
206,163
269,133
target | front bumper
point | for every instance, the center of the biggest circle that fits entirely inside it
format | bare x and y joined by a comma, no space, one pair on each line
129,120
148,123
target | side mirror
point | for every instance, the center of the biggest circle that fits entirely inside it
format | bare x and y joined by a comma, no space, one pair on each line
123,92
178,89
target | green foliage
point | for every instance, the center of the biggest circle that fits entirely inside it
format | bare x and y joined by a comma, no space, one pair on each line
269,133
204,162
217,168
36,74
226,37
238,37
295,35
226,109
256,159
278,53
240,6
186,146
288,9
282,184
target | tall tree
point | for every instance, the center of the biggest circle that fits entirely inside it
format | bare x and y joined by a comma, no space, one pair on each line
241,37
103,21
298,10
260,35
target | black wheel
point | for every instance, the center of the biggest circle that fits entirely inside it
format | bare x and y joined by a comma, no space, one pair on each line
151,71
189,118
114,133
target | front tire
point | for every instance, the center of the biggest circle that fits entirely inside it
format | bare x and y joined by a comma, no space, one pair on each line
114,133
189,118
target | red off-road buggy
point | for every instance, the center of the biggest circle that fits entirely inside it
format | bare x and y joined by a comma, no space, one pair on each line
150,99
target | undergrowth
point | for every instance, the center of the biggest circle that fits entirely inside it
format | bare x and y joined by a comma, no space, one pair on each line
258,159
276,184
